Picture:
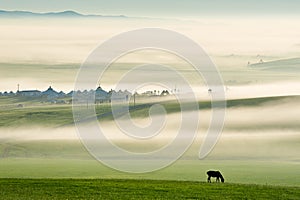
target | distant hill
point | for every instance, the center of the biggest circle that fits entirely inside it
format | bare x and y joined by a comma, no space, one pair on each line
292,64
67,13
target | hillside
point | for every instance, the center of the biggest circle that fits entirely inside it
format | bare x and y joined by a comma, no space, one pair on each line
289,65
67,13
137,189
35,113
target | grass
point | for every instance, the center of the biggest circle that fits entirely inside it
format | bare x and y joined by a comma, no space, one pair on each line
137,189
281,173
46,115
61,115
64,170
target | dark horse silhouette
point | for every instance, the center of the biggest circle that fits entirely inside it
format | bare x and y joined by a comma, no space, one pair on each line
216,174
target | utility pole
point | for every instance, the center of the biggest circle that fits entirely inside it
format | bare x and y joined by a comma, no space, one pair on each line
134,99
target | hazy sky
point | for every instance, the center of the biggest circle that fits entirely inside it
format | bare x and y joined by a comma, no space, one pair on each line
166,8
56,41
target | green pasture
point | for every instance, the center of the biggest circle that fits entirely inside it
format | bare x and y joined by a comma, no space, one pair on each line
235,171
61,169
69,159
61,115
137,189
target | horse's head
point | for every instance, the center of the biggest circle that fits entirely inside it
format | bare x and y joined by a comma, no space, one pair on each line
222,180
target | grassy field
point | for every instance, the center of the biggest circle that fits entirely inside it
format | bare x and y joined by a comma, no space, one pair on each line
257,154
281,173
69,159
41,157
61,115
137,189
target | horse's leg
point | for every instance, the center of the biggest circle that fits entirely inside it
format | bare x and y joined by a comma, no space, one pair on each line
208,179
217,179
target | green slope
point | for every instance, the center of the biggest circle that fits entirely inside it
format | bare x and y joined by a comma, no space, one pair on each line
137,189
61,115
289,65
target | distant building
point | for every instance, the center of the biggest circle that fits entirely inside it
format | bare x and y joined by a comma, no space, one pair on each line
164,93
70,94
148,93
29,93
61,94
101,95
120,95
127,95
50,93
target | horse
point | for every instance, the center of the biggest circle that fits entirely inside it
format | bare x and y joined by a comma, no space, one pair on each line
216,174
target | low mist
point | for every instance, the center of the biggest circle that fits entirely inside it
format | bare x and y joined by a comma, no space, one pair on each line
268,131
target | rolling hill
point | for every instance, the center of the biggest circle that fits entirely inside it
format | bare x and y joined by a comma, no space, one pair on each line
63,14
288,65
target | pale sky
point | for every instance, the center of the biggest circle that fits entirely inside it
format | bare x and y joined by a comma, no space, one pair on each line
158,8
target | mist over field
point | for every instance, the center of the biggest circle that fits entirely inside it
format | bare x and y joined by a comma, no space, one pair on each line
256,130
256,58
254,139
50,51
